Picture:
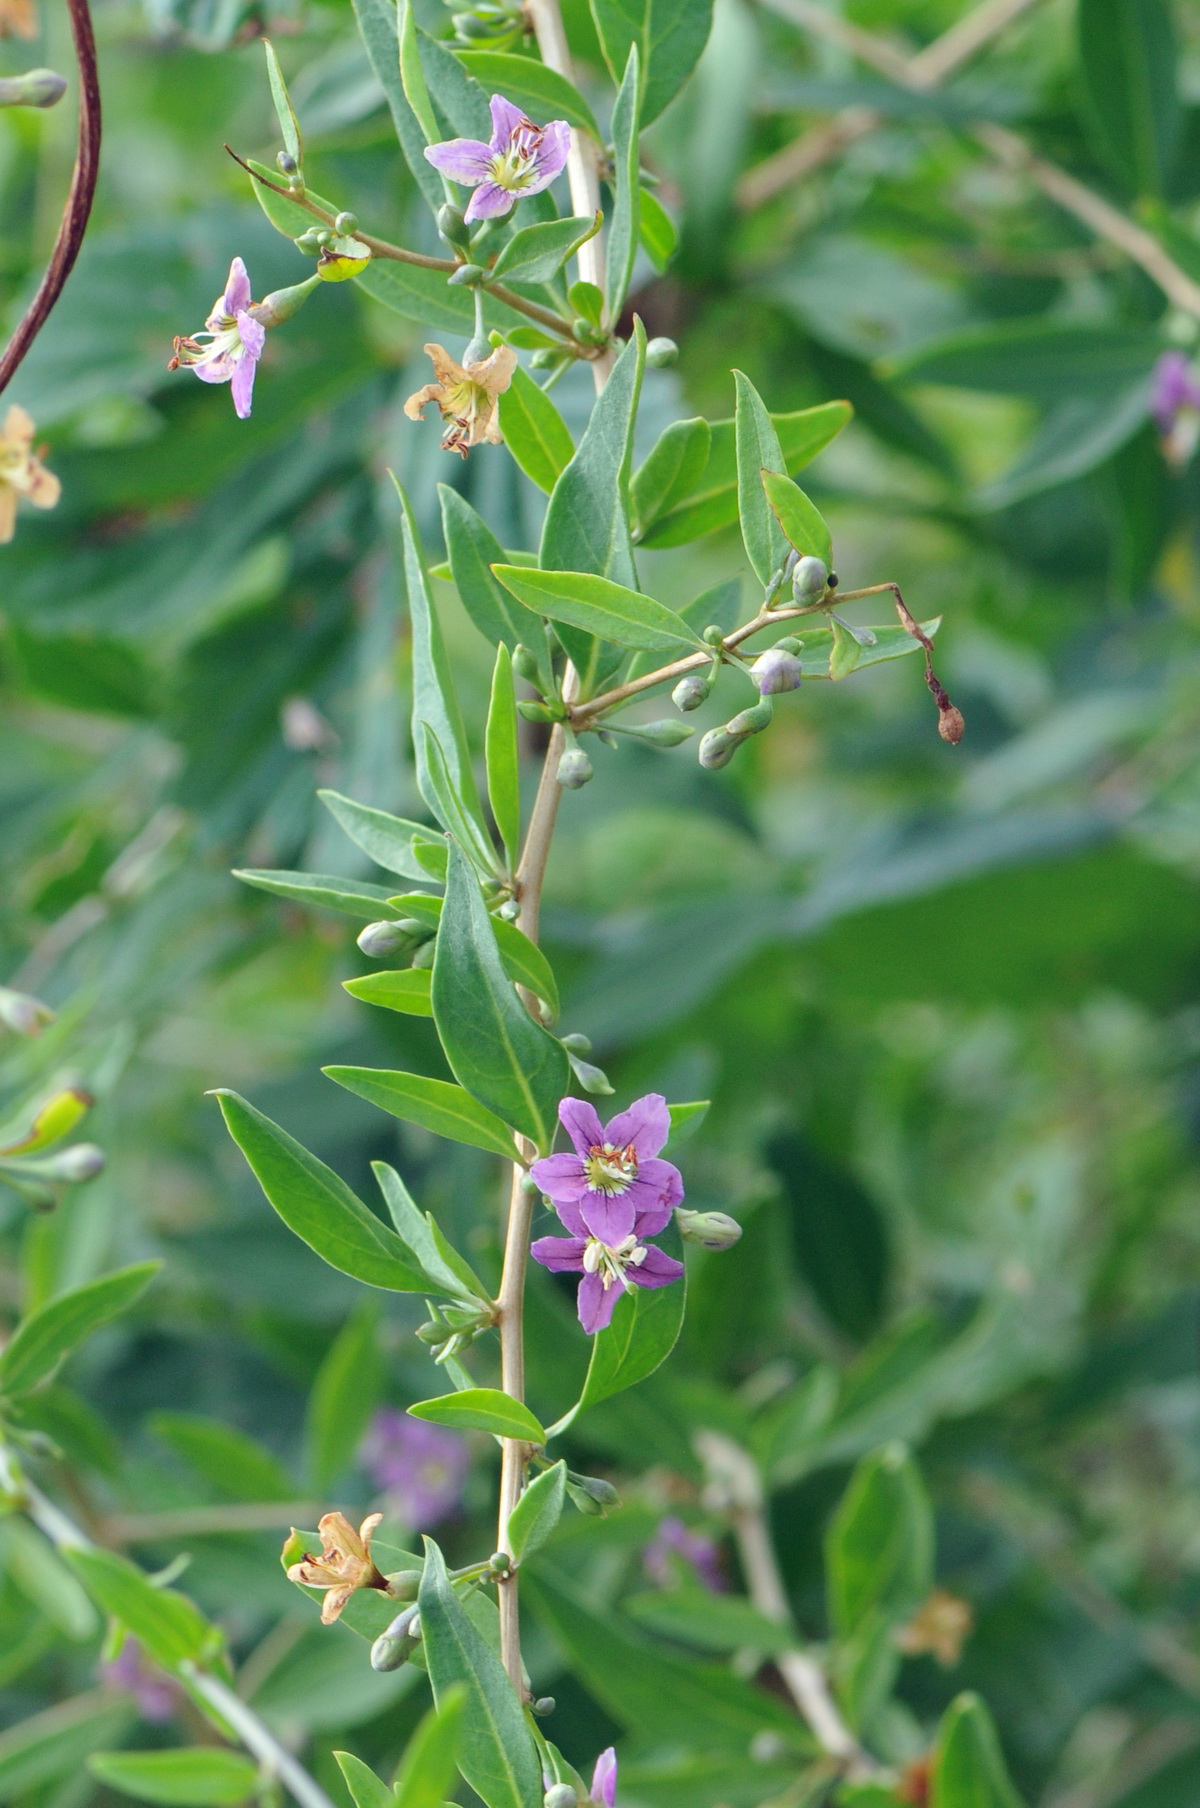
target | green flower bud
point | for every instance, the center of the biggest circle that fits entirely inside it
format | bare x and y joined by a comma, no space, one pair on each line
547,357
753,720
692,690
575,769
346,225
592,1494
500,1563
467,276
471,27
282,304
712,1230
538,712
404,1584
592,1078
545,1704
397,1643
586,333
36,88
424,955
714,636
525,663
380,939
666,733
717,748
452,226
561,1795
577,1043
809,579
661,352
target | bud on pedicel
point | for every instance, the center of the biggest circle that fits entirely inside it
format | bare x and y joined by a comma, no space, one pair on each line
452,226
775,671
539,712
36,88
951,724
281,304
500,1563
665,733
525,663
712,1230
560,1796
425,953
548,357
753,720
591,1078
714,636
544,1705
809,579
380,939
592,1494
310,243
346,224
660,353
717,748
577,1043
287,163
466,276
397,1642
692,690
575,770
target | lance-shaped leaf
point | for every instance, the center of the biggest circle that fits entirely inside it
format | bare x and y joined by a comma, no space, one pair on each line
644,1330
707,1622
713,503
968,1769
601,607
626,213
435,704
377,24
457,97
503,757
366,1789
541,93
504,1059
284,111
387,839
54,1744
536,254
672,470
192,1776
434,1104
587,521
344,1394
496,1752
669,34
473,549
879,1550
535,433
404,989
427,1767
325,891
802,523
317,1204
537,1513
758,453
482,1409
448,804
412,75
440,1260
169,1626
48,1336
657,231
523,960
1129,62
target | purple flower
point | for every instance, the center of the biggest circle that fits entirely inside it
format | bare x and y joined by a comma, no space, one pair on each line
521,159
420,1467
228,349
776,670
674,1540
151,1688
604,1779
611,1193
1174,389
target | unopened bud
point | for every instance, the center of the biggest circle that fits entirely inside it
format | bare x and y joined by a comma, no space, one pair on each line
810,579
346,224
466,276
547,357
281,304
452,226
951,724
36,88
577,1043
82,1161
592,1494
500,1563
287,163
575,769
661,352
591,1078
714,635
396,1644
425,953
560,1796
379,939
468,26
586,333
24,1015
545,1704
692,690
525,663
717,748
712,1230
776,670
538,712
665,733
404,1583
309,243
753,720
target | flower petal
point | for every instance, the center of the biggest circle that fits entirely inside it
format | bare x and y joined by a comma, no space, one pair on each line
553,156
646,1124
8,513
604,1778
488,202
465,160
608,1216
656,1192
581,1124
236,298
596,1303
657,1270
505,119
334,1601
414,408
241,386
214,370
561,1255
252,333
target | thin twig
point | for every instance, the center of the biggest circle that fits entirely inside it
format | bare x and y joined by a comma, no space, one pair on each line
80,196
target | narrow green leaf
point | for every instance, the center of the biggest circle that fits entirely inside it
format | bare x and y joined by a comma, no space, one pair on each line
457,97
440,1260
425,297
46,1338
194,1776
626,212
718,1623
535,433
232,1463
55,1743
482,1409
496,1752
33,1564
686,1120
540,92
473,549
378,26
537,1513
879,1548
672,470
169,1626
284,112
1129,61
601,607
344,1395
669,34
286,216
317,1204
504,1059
713,503
448,804
427,1768
968,1769
536,254
366,1789
402,989
412,74
802,524
387,839
758,452
657,230
503,757
434,1104
326,891
523,960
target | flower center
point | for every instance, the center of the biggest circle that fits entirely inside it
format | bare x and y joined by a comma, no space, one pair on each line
610,1262
225,343
512,168
609,1169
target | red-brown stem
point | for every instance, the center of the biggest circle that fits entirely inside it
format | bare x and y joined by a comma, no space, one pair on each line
81,194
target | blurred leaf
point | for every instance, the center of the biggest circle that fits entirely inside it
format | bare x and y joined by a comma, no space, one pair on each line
968,1767
190,1777
540,92
669,36
1129,61
482,1409
427,1767
366,1789
43,1578
879,1550
838,1235
1048,360
434,1104
708,1622
231,1462
537,1512
56,1743
165,1623
623,223
344,1396
43,1340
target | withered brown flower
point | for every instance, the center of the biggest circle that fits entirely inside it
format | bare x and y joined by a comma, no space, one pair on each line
345,1563
22,472
467,395
939,1627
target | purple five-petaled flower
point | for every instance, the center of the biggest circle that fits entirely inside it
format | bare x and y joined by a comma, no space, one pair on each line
604,1779
228,349
611,1194
521,159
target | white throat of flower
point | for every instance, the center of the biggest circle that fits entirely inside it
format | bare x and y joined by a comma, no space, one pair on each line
220,338
610,1170
513,167
610,1262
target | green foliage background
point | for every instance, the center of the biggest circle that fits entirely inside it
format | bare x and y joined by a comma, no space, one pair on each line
944,1000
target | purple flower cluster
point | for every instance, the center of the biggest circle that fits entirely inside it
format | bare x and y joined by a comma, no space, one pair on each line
521,159
611,1194
675,1541
421,1468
